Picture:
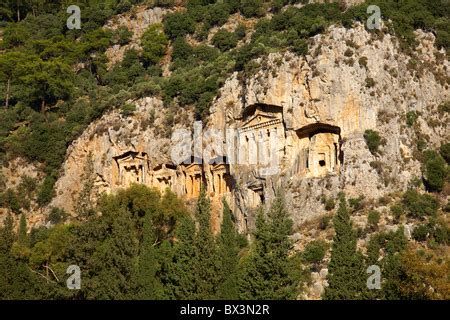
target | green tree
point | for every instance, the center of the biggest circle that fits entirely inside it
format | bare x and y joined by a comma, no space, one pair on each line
154,43
391,244
228,257
445,152
419,205
204,262
178,24
181,275
315,252
7,235
434,171
111,272
46,81
149,286
268,272
251,8
346,277
9,71
373,140
373,218
23,238
224,40
16,281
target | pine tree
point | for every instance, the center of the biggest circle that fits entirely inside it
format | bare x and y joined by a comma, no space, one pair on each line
228,257
7,235
16,282
114,258
346,277
269,273
149,286
205,259
180,275
23,239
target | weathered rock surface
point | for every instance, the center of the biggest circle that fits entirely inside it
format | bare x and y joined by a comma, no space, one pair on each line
349,83
136,22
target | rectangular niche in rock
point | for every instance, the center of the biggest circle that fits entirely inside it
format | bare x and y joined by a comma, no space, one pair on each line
318,150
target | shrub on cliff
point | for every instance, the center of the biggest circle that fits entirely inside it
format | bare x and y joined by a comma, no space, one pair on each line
434,171
154,43
252,8
373,218
178,24
315,251
445,152
373,140
419,205
224,40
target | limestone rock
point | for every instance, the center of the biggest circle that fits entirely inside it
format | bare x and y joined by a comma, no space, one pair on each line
296,125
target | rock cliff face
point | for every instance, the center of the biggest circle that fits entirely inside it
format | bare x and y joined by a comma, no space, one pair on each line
296,125
136,22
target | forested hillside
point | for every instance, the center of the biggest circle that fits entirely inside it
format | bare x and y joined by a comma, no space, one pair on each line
145,244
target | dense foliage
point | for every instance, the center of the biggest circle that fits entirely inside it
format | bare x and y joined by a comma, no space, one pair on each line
140,244
147,246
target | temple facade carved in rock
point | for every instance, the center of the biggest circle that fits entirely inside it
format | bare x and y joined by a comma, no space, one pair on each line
261,143
261,135
262,148
128,168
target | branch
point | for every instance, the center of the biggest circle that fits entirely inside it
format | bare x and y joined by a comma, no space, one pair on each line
52,273
41,275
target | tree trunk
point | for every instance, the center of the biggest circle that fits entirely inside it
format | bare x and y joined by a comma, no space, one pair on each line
8,88
44,109
18,4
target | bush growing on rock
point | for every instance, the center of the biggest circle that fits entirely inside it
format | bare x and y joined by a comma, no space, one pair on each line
57,215
45,191
357,203
154,43
434,171
373,218
178,24
397,211
217,14
445,152
373,140
411,118
122,36
128,109
224,40
324,222
315,251
436,232
421,232
251,8
329,204
419,205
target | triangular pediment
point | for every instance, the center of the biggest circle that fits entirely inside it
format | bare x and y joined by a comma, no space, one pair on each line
259,117
128,158
192,167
